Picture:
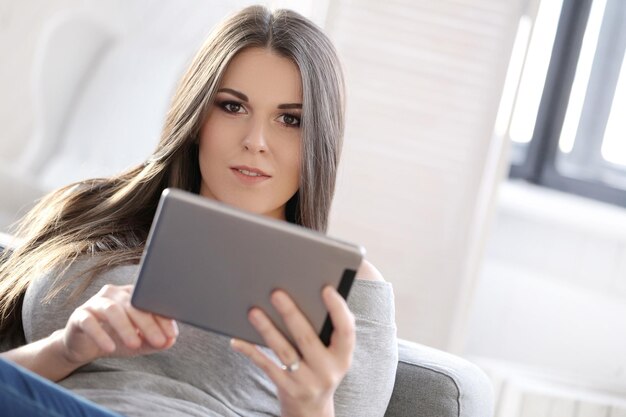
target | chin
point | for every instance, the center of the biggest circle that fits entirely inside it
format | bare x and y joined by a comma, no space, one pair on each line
257,207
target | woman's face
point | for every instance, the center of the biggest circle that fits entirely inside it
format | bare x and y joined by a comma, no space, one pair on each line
250,140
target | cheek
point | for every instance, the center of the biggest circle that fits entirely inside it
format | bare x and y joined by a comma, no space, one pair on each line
209,143
206,133
204,155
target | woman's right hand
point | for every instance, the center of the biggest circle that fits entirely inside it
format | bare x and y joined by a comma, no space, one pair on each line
108,325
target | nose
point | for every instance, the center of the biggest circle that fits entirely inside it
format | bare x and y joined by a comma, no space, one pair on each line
255,140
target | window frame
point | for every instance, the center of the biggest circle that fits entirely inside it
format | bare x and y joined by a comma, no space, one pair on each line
540,162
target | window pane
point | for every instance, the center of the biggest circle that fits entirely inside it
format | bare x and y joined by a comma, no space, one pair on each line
535,71
614,144
581,80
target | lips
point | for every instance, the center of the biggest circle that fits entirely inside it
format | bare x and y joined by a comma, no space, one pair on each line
249,176
251,171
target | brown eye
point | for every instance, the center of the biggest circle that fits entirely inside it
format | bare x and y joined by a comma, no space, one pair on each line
232,107
290,120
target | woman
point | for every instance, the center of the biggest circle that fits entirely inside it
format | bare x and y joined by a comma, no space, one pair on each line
256,122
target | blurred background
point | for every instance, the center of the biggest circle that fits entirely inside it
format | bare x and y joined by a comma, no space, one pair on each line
484,167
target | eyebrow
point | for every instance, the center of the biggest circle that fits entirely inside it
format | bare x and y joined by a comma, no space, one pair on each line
235,93
290,106
244,97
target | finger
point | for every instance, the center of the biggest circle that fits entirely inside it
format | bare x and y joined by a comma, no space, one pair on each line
89,325
274,339
260,359
147,324
344,335
169,326
307,340
115,316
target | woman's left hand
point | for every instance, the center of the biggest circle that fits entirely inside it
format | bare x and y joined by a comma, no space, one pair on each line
306,384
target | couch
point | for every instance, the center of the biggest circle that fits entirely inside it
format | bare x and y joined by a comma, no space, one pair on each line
430,383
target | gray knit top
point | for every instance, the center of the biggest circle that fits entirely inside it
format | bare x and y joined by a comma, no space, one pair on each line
201,375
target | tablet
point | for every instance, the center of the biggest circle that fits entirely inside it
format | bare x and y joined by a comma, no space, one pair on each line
206,264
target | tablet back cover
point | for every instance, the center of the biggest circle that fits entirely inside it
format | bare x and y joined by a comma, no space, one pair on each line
207,264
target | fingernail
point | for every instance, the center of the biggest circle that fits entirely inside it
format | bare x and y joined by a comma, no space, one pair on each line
175,327
328,290
279,298
234,343
255,316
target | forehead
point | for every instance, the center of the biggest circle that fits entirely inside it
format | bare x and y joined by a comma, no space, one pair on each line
262,74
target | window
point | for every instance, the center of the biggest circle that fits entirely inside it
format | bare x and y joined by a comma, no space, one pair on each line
564,103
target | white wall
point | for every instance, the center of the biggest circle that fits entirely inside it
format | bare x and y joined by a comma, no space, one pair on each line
21,23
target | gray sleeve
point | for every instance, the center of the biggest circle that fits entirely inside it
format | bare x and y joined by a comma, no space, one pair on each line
367,387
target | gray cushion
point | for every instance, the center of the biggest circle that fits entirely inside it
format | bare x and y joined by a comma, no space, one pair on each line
432,383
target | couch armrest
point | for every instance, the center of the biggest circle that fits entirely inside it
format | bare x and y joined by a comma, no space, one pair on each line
431,383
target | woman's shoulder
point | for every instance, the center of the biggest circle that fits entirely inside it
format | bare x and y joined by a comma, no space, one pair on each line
367,271
371,297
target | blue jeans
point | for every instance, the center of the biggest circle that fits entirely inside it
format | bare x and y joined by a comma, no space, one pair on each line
26,394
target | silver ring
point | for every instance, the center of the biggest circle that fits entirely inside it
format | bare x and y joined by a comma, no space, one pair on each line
292,367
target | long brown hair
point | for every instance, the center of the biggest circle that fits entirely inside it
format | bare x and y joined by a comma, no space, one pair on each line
111,217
